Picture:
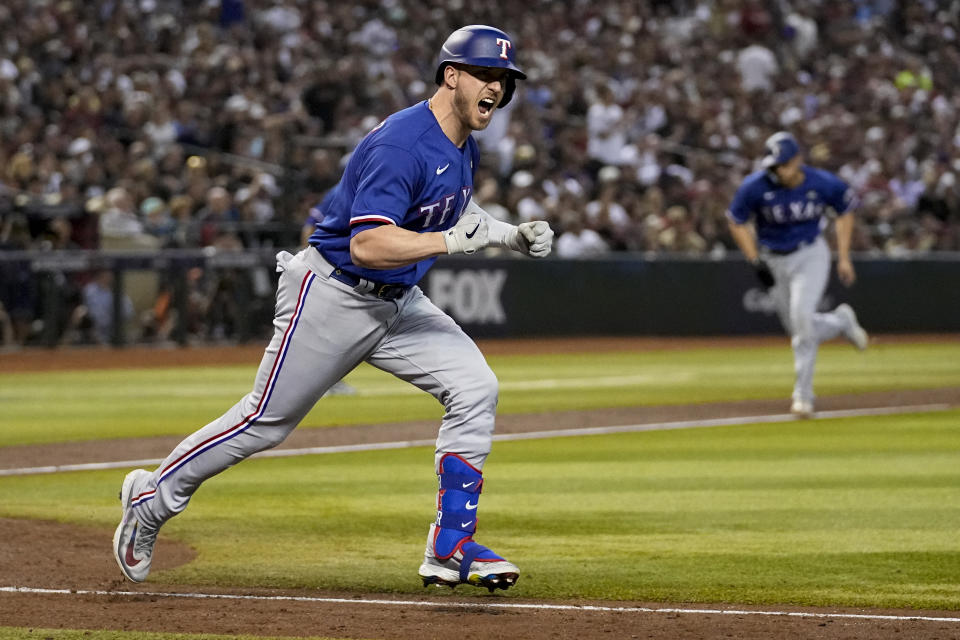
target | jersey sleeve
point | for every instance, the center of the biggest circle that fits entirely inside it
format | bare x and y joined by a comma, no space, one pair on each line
839,195
388,181
740,209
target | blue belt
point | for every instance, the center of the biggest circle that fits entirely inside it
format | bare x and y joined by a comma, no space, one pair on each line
382,290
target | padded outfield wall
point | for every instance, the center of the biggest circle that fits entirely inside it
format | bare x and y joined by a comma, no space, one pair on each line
676,296
628,294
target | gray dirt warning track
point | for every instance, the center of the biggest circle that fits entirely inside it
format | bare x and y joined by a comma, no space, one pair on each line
79,586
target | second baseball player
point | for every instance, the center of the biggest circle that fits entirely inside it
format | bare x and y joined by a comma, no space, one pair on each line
776,218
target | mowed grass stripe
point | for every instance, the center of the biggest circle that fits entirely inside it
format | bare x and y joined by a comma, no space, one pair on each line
90,405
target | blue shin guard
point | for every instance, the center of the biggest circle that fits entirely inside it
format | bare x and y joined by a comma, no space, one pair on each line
452,556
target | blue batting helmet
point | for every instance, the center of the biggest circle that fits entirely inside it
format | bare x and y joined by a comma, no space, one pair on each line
781,147
481,46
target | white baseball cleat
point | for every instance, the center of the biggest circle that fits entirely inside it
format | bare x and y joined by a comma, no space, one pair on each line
802,408
132,542
853,331
493,572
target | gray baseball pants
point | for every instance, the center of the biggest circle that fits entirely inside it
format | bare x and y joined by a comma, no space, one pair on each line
801,278
323,329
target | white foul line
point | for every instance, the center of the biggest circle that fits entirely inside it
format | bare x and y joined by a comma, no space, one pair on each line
473,605
532,435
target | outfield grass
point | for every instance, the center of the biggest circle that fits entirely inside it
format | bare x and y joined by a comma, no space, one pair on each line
90,405
853,511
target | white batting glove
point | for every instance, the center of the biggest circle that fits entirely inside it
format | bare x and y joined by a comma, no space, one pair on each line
468,235
534,239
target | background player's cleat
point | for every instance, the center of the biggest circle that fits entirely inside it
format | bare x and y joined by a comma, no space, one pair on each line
132,542
853,331
802,408
486,569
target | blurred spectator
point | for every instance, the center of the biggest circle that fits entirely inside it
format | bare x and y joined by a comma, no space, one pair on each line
256,200
801,31
157,220
92,321
322,173
186,233
577,240
120,227
606,131
58,236
159,321
757,66
605,214
525,198
218,220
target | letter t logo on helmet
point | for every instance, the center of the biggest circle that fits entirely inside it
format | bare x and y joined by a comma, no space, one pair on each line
481,46
781,147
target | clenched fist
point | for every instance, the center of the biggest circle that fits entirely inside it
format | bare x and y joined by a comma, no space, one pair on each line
535,238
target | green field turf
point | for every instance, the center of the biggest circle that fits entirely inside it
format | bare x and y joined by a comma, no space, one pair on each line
857,512
853,511
90,405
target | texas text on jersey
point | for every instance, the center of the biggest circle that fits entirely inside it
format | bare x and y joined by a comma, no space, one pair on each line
413,162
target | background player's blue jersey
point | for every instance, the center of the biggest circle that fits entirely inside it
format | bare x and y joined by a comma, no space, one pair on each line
406,172
786,218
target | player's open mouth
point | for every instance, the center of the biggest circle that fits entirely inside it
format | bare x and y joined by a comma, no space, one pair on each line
486,106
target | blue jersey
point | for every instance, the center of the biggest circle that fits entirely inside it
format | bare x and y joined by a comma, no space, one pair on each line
786,218
406,172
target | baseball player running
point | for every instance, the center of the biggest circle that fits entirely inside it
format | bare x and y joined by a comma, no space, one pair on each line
787,203
352,297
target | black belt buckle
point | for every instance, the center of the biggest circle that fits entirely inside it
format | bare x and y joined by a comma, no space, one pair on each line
381,290
389,291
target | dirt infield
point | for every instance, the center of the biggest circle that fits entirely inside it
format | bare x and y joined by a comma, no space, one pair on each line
55,556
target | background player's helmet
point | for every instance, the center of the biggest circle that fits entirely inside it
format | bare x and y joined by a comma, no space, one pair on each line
781,146
482,46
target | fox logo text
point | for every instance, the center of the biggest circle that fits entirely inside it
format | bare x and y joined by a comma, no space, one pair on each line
470,296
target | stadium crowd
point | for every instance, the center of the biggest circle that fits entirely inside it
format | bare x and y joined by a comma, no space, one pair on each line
149,123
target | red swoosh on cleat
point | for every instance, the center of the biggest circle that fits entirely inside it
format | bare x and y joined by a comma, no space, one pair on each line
130,560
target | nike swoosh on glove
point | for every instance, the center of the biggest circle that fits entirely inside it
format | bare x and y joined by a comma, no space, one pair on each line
536,238
467,236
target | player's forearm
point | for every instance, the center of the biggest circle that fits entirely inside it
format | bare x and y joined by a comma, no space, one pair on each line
389,247
743,235
844,228
500,233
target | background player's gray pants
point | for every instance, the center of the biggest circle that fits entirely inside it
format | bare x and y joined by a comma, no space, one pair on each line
801,278
322,330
